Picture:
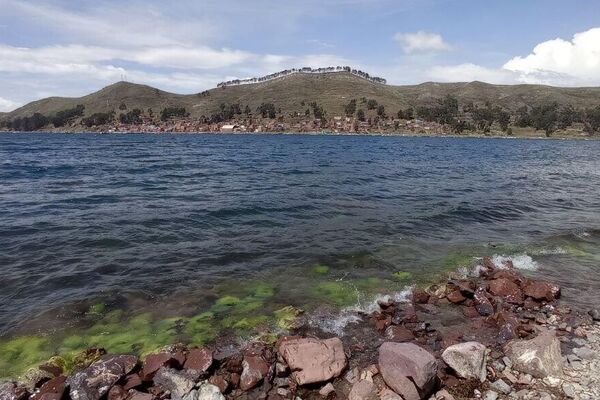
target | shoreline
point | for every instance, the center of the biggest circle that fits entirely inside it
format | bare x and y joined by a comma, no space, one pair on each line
286,133
497,307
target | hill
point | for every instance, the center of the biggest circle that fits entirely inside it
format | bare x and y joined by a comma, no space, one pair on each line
331,91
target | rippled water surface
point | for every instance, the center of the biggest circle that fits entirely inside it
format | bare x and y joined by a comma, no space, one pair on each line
173,223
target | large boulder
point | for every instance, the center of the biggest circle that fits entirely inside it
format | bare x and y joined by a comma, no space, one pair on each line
539,357
199,360
540,290
408,369
51,390
10,391
95,381
312,360
507,289
468,360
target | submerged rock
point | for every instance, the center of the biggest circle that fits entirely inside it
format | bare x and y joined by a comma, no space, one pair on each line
468,360
539,357
408,369
95,381
313,360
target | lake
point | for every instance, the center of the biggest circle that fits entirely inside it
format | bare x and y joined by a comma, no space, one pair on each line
114,233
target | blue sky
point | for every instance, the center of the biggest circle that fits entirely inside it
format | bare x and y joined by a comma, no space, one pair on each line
70,48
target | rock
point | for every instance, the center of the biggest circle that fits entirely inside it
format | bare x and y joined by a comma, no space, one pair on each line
387,394
595,314
117,393
468,360
132,381
255,368
363,390
585,353
408,369
326,390
540,290
312,360
507,289
11,391
94,382
539,357
219,382
51,390
443,395
490,395
456,297
199,360
483,306
501,386
420,296
135,395
569,390
176,382
208,391
35,377
153,363
398,333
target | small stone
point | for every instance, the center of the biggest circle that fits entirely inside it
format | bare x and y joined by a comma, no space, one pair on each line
398,333
326,390
585,353
255,368
174,381
595,314
199,360
443,395
363,390
219,382
208,391
501,386
569,390
468,360
490,395
135,395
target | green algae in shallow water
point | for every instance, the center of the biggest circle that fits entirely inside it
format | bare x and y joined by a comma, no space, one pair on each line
402,276
242,325
321,269
97,309
263,290
339,293
21,353
286,316
200,329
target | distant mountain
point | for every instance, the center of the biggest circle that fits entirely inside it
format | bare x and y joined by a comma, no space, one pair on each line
293,93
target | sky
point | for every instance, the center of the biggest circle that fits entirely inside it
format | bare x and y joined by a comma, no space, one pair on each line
72,48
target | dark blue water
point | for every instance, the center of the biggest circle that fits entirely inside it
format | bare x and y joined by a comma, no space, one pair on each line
124,217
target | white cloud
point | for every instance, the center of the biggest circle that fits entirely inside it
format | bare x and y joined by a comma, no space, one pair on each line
415,42
7,105
568,62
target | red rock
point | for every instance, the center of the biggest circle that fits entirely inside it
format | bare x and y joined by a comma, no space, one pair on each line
153,363
405,314
219,382
135,395
398,333
385,303
363,390
313,360
455,297
506,289
420,296
235,379
199,360
381,321
408,369
132,381
255,369
507,274
540,290
482,304
51,390
53,369
117,393
487,265
470,312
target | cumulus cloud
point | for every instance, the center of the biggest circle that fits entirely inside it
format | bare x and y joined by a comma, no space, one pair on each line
568,62
415,42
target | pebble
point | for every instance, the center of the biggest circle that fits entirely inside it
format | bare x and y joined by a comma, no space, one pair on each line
501,386
490,395
569,390
584,353
595,314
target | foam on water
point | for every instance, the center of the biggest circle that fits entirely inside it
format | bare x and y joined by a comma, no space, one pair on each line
519,261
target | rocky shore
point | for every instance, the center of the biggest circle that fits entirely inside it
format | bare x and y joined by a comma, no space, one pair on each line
513,341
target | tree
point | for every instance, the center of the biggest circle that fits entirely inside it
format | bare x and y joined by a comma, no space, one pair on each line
371,104
267,110
173,112
360,114
567,116
545,117
503,119
523,117
98,119
409,113
381,111
61,118
350,108
123,106
247,110
133,117
400,114
591,120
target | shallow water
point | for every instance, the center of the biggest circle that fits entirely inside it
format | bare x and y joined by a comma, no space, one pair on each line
171,224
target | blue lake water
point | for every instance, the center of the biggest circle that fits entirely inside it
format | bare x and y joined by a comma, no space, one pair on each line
169,223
